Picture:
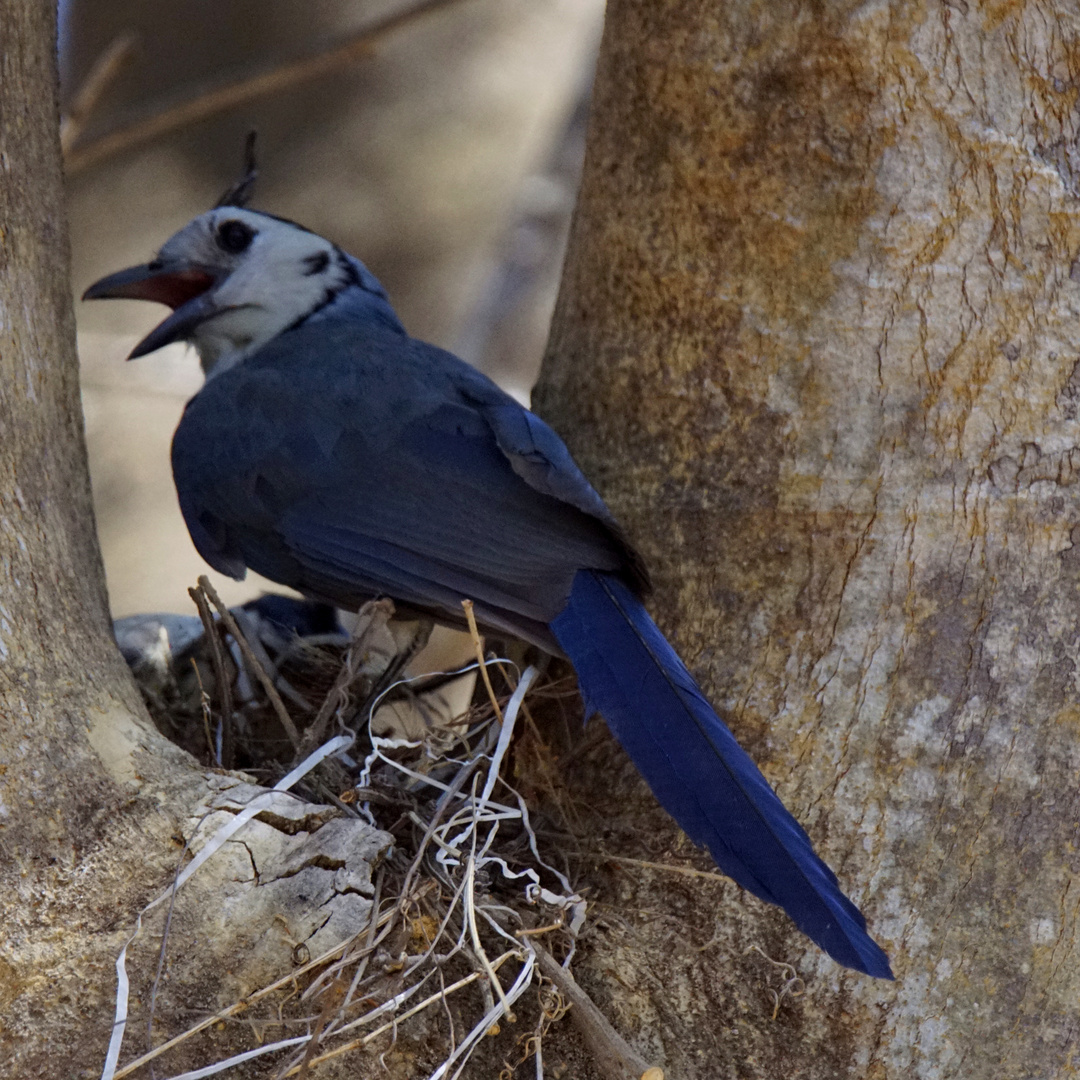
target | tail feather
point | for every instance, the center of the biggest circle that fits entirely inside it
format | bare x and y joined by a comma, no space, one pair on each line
631,675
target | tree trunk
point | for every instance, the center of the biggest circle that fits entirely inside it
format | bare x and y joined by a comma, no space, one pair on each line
815,345
95,805
71,719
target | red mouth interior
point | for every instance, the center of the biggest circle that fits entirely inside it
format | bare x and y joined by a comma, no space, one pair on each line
172,289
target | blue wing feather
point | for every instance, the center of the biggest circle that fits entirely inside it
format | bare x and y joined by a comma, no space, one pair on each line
631,675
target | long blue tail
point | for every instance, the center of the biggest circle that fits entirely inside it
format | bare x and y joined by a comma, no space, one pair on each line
631,675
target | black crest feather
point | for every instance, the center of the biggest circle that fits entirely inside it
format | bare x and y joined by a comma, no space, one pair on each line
239,193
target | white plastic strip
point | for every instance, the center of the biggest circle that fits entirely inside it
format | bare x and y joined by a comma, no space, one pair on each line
239,1059
507,731
468,1044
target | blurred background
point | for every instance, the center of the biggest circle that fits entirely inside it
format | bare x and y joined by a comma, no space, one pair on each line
438,140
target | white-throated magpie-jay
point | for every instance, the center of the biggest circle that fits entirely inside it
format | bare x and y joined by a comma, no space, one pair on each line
331,452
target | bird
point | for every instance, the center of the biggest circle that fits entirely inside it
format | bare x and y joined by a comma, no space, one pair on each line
330,452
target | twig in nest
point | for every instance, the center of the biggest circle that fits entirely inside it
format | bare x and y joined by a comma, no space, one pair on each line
105,69
162,951
474,932
204,704
218,99
225,757
397,1020
369,940
378,613
249,655
479,646
335,996
669,868
612,1052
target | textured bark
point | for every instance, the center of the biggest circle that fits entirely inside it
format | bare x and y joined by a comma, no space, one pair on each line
95,806
815,344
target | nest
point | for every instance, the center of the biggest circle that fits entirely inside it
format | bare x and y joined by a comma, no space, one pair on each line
472,920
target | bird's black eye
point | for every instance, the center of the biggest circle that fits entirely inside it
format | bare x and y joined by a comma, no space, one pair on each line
234,236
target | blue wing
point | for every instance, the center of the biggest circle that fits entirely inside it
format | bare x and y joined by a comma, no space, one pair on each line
348,466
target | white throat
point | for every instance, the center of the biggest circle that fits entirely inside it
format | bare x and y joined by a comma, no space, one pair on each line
222,342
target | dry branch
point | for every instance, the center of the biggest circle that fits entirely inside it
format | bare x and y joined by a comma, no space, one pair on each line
211,101
105,70
249,655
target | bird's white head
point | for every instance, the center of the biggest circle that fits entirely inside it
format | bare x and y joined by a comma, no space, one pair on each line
235,279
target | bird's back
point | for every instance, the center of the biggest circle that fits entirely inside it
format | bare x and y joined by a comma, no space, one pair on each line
347,460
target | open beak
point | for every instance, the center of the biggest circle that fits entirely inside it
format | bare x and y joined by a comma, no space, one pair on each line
187,290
